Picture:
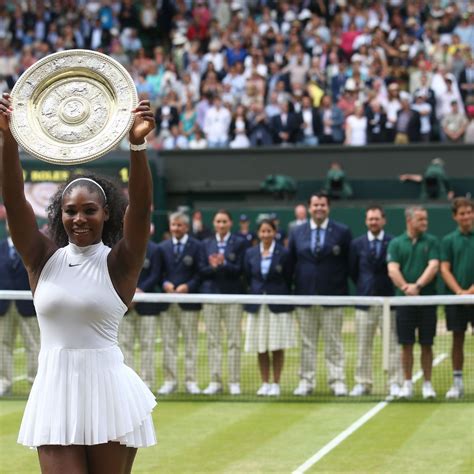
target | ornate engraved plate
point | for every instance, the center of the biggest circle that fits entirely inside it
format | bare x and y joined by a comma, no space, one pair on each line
73,106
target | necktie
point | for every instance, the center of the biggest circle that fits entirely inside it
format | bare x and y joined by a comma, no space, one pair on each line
373,249
316,244
177,249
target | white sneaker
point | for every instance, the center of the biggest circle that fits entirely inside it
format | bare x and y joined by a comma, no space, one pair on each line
394,390
407,390
263,390
167,388
234,388
193,388
274,390
359,390
339,389
428,391
455,392
212,388
303,389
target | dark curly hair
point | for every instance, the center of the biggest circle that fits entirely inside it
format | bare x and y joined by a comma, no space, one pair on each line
116,203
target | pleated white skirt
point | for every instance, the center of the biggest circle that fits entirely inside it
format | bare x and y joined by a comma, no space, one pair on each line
267,331
86,397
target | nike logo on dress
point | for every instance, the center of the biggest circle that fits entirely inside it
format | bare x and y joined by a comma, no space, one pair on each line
75,264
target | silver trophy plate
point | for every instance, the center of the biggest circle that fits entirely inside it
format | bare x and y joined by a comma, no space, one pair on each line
72,107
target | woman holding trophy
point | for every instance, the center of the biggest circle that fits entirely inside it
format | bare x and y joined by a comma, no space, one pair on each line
87,411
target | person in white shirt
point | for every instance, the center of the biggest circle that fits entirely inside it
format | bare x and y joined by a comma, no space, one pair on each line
392,106
424,109
176,141
216,124
356,127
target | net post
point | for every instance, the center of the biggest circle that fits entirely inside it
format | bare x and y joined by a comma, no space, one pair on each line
386,316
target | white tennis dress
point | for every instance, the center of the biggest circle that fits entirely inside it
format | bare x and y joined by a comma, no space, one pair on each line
83,392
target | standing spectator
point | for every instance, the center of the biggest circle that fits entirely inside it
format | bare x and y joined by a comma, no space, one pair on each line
198,142
141,321
320,252
202,107
15,315
245,232
285,126
199,230
376,120
235,52
216,124
188,119
356,127
180,261
347,39
176,140
454,124
221,272
347,101
332,120
368,269
457,270
301,217
469,133
259,130
166,116
466,80
423,107
280,234
270,328
310,123
407,126
239,129
214,56
392,107
413,261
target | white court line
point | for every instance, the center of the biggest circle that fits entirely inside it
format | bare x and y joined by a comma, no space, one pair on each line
356,425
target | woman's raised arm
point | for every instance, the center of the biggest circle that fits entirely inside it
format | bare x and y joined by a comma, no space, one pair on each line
34,247
126,258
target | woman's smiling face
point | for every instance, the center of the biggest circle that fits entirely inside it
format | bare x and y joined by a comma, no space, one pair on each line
83,216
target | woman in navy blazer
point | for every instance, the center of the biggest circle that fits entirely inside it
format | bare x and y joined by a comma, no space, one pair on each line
270,328
221,272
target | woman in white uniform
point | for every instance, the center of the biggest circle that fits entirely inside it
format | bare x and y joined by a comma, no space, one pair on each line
87,411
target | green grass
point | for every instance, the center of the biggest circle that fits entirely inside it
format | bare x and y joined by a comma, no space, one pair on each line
220,437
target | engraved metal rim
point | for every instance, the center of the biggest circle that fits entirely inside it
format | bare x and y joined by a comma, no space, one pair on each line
68,53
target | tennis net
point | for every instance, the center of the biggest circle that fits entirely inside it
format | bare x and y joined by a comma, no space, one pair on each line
324,346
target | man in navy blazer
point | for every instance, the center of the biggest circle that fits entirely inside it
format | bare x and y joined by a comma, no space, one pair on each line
221,272
320,252
368,270
15,314
180,263
141,322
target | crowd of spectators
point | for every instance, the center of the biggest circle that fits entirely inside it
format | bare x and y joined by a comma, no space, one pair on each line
224,73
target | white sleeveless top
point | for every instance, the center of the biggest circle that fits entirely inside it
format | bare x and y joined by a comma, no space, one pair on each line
75,300
83,393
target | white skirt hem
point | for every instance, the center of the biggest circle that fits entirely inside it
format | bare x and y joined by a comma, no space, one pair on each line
87,397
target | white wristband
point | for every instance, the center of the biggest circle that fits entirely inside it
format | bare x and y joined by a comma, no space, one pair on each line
141,147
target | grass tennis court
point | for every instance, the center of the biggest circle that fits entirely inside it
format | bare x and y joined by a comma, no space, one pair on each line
220,437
